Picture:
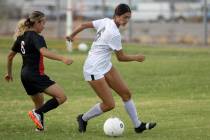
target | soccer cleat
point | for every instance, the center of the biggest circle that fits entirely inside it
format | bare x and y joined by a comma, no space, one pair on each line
36,118
39,130
144,126
42,121
82,124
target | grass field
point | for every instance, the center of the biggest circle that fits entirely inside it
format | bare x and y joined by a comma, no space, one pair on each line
172,87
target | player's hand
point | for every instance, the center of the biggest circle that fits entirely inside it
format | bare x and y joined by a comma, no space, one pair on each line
8,78
140,58
69,38
67,61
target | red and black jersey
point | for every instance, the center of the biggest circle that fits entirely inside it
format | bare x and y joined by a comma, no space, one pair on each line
28,45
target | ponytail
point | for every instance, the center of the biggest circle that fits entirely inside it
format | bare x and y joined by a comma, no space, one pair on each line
20,28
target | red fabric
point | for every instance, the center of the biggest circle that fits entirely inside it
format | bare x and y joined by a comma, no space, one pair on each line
41,65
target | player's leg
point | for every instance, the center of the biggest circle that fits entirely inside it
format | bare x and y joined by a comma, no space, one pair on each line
38,100
104,93
115,81
58,97
38,119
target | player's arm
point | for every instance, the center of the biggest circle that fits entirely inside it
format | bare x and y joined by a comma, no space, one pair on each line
45,52
123,57
8,76
80,28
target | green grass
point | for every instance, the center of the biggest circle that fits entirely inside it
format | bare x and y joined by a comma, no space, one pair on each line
172,87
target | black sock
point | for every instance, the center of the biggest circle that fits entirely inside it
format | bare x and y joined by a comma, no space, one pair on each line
42,119
49,105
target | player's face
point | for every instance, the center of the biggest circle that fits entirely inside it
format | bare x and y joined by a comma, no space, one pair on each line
123,19
39,25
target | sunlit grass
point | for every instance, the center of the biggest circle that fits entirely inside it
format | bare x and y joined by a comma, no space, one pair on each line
171,87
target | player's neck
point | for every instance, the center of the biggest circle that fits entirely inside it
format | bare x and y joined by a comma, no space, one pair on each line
117,24
32,29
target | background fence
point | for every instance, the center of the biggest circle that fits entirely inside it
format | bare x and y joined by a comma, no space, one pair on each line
160,21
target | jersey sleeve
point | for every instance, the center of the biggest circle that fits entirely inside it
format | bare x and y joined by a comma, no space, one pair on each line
115,43
39,42
98,23
16,46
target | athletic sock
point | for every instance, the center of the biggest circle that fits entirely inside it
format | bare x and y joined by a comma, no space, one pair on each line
42,119
49,105
93,112
131,110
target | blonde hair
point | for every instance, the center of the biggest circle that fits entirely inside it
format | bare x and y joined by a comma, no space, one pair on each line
35,16
25,24
20,29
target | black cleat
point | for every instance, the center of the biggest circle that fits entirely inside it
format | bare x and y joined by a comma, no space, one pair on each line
144,126
82,124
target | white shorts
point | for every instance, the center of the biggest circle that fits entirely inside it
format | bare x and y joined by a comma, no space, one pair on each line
92,77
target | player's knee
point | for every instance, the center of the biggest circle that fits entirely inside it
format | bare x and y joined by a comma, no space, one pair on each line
61,99
112,106
64,98
109,106
126,97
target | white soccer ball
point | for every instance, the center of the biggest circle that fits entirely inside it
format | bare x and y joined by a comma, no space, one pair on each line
82,47
114,127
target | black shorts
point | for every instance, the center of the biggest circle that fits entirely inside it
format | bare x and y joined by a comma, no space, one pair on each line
36,83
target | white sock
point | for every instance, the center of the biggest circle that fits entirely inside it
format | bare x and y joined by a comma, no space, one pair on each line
93,112
131,110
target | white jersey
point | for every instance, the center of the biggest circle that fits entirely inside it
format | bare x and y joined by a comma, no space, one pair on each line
108,39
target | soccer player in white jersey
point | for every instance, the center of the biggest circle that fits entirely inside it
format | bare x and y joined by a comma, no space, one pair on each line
102,75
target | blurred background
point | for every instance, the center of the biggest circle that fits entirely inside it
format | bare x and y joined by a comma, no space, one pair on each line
153,21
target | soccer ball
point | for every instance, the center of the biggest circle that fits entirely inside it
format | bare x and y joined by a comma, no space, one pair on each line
113,127
83,47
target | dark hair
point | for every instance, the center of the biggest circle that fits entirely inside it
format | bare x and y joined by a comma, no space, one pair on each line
33,17
121,9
